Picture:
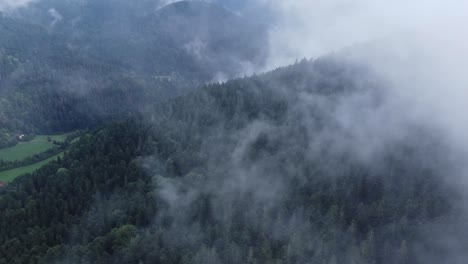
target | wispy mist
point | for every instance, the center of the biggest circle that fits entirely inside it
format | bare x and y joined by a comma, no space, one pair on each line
418,51
418,47
10,5
314,28
305,163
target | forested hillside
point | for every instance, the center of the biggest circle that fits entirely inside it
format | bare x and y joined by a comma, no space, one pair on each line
61,196
193,39
242,172
84,70
145,131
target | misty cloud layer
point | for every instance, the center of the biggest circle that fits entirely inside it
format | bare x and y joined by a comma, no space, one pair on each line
413,94
419,47
313,28
10,5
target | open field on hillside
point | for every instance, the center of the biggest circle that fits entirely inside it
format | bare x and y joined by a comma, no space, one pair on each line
10,175
27,149
24,150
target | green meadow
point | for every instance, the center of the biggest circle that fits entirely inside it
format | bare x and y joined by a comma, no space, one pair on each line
10,175
24,150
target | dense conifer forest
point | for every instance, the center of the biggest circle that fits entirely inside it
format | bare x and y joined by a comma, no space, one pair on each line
171,142
226,175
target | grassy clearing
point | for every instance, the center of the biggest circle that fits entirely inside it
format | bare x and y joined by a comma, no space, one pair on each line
10,175
25,149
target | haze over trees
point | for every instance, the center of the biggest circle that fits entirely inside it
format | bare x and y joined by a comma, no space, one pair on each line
84,69
183,159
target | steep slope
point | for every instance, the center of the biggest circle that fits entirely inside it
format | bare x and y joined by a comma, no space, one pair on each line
40,80
212,37
189,38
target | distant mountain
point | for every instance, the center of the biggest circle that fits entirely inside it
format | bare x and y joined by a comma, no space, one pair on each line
42,80
188,38
213,37
98,60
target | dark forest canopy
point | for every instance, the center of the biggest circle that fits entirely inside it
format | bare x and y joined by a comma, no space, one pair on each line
179,162
231,174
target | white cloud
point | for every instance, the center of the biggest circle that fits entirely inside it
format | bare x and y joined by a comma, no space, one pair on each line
419,46
310,28
56,16
10,5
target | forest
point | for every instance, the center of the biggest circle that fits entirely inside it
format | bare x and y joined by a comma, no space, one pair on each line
166,133
53,81
226,175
